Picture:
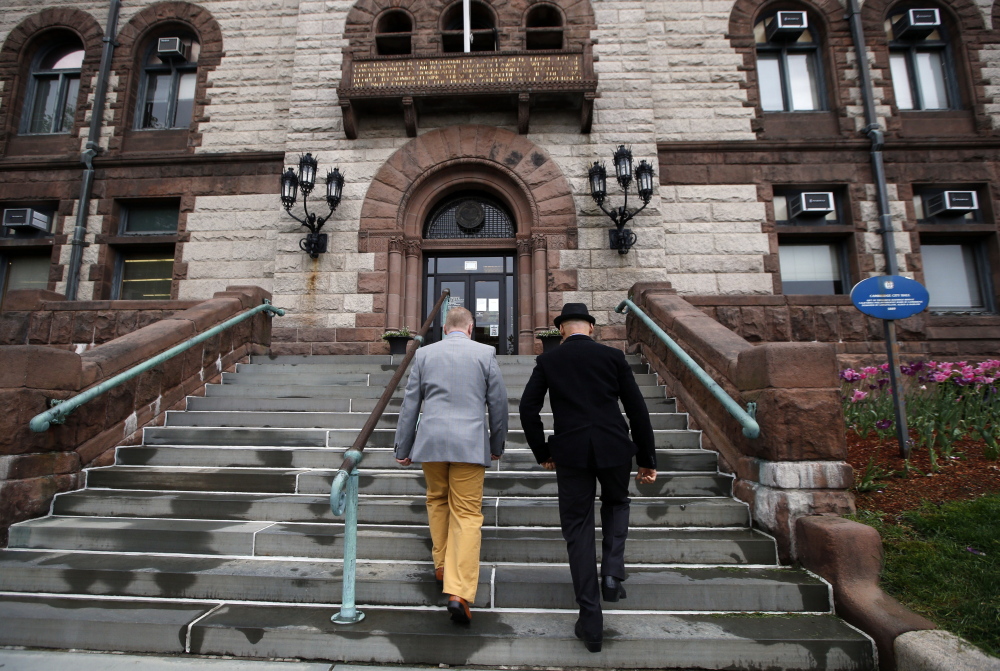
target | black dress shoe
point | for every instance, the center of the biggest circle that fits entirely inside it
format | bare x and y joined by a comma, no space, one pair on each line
592,645
611,588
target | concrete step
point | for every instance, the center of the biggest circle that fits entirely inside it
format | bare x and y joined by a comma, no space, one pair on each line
426,636
375,542
292,390
375,457
538,639
524,359
271,437
516,378
360,367
521,511
372,481
667,589
524,545
349,420
246,401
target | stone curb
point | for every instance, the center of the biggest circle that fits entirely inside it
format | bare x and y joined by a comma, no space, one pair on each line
938,650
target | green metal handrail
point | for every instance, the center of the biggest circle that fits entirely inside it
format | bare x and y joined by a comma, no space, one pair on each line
344,490
61,408
747,418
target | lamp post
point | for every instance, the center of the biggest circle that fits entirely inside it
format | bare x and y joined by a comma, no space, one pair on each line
315,242
619,237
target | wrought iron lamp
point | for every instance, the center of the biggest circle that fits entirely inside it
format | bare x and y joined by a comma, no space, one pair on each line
315,242
622,238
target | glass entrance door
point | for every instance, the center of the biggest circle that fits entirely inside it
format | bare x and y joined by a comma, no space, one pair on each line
482,284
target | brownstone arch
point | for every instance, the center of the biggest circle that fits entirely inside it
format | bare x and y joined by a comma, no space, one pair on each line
493,160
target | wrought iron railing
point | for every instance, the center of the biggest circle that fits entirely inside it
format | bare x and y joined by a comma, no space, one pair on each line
344,491
61,408
747,418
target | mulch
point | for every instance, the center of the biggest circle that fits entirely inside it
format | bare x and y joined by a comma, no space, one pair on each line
966,475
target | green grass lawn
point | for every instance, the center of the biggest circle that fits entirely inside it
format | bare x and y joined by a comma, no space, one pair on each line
943,561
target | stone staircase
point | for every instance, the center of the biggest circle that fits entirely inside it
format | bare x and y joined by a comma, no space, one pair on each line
215,537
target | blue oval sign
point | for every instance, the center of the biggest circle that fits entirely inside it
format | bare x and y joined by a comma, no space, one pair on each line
889,297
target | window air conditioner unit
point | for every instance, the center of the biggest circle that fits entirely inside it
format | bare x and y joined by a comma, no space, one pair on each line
811,204
26,219
171,49
916,24
952,202
787,26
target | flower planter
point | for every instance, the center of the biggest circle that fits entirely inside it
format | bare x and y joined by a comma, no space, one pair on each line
549,343
397,344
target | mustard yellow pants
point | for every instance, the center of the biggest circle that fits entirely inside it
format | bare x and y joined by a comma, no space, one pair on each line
455,515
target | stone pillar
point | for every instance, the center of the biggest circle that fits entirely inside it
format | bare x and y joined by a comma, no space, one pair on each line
526,335
539,273
412,288
394,297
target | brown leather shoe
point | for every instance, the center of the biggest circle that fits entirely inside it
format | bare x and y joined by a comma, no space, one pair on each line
439,574
459,609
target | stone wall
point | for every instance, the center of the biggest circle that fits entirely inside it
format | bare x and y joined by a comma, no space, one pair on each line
796,466
36,466
858,338
36,317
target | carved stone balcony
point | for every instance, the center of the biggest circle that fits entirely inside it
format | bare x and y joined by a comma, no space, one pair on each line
480,81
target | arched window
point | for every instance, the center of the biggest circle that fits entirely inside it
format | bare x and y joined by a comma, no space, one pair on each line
789,69
393,32
53,89
170,72
919,59
469,215
544,28
484,32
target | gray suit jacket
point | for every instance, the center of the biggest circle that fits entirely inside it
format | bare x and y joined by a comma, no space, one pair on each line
456,380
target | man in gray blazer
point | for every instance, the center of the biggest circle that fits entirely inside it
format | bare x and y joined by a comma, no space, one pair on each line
455,381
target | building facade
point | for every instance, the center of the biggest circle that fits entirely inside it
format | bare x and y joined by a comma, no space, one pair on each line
468,170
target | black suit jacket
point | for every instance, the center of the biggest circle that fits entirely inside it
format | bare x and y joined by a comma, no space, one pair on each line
585,380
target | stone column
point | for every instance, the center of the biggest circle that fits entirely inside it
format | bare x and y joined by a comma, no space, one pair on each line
412,289
394,297
526,335
538,283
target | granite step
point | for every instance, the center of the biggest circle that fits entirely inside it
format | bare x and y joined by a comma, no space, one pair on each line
292,390
360,367
393,359
517,378
668,589
521,511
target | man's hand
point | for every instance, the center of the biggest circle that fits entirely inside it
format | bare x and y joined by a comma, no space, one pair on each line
404,462
646,476
548,465
495,457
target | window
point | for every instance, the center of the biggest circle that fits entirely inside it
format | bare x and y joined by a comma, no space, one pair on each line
920,63
166,96
145,270
808,268
789,72
544,28
53,90
484,32
24,271
954,277
469,215
393,34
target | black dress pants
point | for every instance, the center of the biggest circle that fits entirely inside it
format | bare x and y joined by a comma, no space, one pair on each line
577,489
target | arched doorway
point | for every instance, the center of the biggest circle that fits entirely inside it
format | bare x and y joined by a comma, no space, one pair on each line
411,212
483,282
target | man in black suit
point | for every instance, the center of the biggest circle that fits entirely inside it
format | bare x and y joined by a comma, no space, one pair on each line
590,444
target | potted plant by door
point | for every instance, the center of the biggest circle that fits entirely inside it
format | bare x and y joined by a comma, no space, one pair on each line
550,339
397,340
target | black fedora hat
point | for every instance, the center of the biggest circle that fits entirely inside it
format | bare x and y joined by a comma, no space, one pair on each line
574,311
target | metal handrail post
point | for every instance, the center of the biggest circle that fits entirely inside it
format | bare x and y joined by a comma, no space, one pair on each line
344,490
746,418
57,414
349,614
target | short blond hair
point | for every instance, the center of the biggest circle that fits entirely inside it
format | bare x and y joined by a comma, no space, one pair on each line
458,318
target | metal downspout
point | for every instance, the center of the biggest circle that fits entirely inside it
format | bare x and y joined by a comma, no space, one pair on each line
877,136
78,240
